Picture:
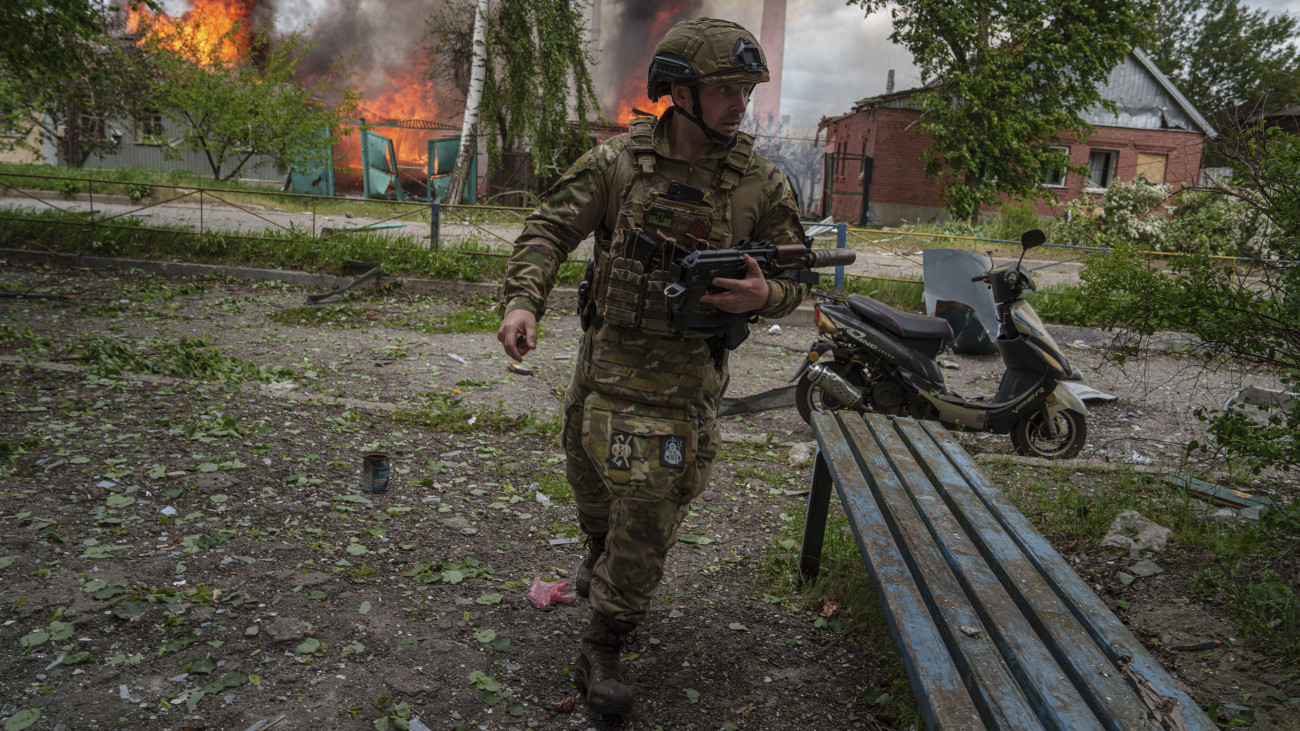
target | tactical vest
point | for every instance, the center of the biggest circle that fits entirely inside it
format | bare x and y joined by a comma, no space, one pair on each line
632,272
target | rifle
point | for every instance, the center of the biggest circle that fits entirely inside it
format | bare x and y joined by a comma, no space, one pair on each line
693,273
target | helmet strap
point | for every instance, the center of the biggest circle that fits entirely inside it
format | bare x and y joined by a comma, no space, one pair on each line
697,116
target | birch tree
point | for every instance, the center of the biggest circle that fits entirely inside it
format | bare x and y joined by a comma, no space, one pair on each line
537,90
468,141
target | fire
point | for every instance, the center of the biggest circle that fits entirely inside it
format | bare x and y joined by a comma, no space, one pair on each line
212,30
633,92
634,96
407,95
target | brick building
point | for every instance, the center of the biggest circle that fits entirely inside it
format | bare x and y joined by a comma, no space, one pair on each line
874,173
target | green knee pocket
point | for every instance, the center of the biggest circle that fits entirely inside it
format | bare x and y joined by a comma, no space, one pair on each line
642,451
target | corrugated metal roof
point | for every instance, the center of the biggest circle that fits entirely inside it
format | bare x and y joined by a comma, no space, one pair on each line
1144,99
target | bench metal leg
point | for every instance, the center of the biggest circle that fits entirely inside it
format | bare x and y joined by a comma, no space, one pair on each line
814,527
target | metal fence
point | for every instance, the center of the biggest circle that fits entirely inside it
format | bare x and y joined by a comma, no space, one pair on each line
397,215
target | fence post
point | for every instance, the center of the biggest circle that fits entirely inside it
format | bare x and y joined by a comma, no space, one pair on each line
435,223
841,240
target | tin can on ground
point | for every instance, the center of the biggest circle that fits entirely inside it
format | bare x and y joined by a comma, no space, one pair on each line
375,470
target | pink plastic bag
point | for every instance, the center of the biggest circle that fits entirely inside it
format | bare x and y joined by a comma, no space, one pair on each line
544,593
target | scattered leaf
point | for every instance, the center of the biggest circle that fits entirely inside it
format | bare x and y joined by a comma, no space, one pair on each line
308,646
365,608
128,610
25,718
488,599
692,695
738,627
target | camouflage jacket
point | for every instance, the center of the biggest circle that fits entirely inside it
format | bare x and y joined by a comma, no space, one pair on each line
589,199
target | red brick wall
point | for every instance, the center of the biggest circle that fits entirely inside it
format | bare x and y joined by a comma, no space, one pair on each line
898,173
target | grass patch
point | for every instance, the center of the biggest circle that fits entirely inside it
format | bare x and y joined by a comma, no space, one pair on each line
196,358
555,486
479,317
442,413
467,260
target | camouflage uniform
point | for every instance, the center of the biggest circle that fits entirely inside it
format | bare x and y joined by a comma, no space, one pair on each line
640,426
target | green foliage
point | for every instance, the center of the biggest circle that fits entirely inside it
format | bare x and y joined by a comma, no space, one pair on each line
1011,78
1263,601
184,358
1151,218
1221,53
537,77
255,105
1014,219
1242,311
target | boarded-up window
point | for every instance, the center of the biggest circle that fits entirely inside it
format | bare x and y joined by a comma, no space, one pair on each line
1152,166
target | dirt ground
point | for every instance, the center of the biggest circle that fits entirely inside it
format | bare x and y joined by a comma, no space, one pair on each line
184,554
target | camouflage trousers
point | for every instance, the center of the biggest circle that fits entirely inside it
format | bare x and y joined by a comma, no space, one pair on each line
640,437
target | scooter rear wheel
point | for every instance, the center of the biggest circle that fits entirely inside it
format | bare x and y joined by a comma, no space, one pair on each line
1029,435
809,398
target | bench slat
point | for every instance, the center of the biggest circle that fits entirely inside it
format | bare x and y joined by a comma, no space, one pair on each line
940,691
1160,692
1012,663
1001,561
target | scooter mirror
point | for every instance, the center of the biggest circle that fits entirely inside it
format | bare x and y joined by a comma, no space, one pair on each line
1033,237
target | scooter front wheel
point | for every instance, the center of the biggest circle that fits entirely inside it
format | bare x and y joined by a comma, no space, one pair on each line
1030,435
809,398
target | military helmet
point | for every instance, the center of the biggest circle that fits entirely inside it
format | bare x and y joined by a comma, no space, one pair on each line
705,50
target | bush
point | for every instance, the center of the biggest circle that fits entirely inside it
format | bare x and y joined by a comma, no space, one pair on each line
1015,219
1146,216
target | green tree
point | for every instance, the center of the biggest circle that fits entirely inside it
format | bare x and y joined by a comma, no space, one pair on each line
1010,77
255,106
1222,54
537,77
70,71
1247,313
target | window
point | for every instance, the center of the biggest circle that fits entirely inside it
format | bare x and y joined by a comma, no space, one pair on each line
1151,166
1055,178
1101,167
149,129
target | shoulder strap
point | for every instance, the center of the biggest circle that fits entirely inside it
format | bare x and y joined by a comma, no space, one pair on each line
735,164
641,133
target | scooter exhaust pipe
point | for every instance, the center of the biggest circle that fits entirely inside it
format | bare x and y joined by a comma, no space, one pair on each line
833,384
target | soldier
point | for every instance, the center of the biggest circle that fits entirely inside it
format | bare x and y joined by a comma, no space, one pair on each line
640,427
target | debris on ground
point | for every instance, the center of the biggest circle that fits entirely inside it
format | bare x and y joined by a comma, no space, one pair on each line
545,593
1132,531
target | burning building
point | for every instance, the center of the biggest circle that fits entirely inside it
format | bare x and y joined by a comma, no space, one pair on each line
387,47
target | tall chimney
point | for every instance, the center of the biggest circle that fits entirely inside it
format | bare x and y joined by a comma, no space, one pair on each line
767,98
889,84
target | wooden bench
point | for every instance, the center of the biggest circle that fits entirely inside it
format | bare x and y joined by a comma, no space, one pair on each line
994,628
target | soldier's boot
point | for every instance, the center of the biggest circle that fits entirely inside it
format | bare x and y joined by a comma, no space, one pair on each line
595,547
597,674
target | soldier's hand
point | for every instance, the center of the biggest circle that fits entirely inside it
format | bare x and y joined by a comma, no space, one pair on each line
742,295
518,333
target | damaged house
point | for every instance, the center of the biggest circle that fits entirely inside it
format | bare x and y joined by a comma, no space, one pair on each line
874,173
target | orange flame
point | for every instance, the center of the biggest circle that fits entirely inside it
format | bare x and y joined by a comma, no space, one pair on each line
633,93
211,30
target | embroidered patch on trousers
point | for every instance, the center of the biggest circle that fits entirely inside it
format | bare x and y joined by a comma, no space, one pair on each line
620,451
672,451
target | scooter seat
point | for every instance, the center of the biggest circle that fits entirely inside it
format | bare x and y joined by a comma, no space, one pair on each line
897,322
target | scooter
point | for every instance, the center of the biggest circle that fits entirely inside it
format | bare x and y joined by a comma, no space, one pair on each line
872,357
